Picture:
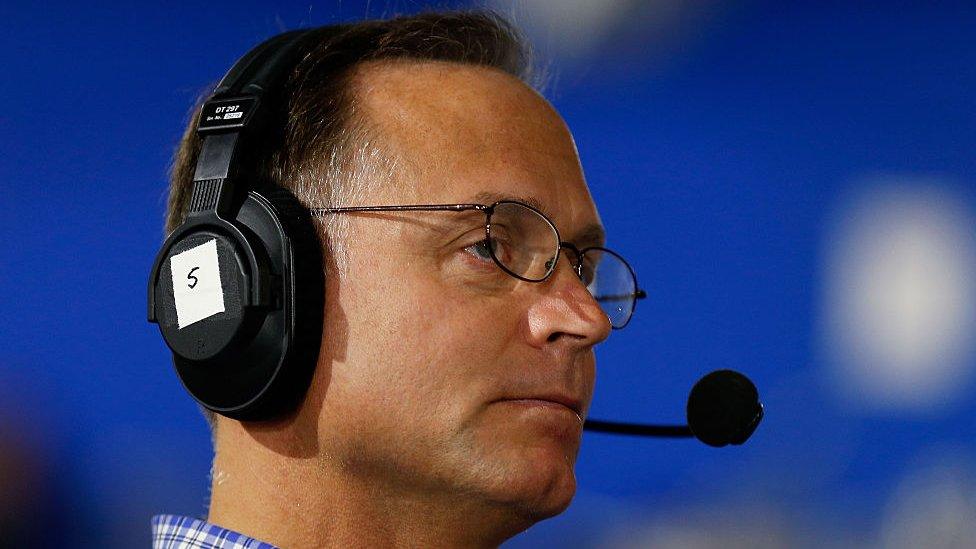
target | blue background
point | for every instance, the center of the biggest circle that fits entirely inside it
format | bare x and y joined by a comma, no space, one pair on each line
716,158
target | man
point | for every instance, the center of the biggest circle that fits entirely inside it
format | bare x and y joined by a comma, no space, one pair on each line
447,404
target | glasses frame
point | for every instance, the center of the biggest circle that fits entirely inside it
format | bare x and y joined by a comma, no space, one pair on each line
488,210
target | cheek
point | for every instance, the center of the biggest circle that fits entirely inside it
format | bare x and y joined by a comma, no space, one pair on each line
450,346
429,350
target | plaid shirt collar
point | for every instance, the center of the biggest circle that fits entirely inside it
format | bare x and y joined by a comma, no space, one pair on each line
176,532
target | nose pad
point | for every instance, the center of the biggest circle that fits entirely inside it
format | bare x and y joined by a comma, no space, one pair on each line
577,264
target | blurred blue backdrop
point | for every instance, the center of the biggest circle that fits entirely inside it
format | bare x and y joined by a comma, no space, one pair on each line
792,181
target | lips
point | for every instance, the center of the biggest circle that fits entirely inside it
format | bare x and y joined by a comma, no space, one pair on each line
574,404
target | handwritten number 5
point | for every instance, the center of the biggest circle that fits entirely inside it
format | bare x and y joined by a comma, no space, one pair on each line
189,276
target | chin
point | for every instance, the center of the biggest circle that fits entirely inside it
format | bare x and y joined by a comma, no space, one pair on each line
548,506
524,462
539,484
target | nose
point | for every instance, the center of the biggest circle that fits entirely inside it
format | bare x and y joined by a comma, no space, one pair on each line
565,311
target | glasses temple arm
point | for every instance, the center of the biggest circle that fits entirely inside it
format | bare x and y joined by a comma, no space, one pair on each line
403,208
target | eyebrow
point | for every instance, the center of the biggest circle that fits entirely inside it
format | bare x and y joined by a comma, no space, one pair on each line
489,197
591,235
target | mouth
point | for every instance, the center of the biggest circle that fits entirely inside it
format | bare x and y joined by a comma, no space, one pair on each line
556,402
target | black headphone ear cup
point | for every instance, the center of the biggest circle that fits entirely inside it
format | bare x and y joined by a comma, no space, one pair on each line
249,362
306,303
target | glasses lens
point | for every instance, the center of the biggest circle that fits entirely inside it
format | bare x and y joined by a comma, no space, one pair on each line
522,240
611,282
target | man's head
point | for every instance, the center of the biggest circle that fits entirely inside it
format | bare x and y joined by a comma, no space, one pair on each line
437,370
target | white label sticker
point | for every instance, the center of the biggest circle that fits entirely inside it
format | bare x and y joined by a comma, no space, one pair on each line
196,284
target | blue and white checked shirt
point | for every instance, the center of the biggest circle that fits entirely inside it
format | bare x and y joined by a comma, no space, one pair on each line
176,532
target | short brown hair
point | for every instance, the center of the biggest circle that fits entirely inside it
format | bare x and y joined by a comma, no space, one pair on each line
320,105
324,152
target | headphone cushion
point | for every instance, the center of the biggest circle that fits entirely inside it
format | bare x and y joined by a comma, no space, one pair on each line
306,303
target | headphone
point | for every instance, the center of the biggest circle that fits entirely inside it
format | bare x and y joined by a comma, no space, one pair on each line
238,288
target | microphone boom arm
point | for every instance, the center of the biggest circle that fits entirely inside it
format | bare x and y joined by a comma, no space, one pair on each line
673,431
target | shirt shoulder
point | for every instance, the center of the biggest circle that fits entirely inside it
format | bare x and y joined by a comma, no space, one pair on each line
181,532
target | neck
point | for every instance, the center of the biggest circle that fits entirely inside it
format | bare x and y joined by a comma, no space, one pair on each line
296,497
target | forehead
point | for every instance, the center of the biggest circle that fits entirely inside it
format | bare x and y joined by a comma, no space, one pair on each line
461,131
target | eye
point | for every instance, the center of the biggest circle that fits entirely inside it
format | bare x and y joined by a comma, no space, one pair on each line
481,249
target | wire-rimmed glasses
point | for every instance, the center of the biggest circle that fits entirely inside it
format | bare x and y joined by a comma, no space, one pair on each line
524,243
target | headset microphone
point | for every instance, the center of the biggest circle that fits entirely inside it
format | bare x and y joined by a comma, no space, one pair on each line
723,408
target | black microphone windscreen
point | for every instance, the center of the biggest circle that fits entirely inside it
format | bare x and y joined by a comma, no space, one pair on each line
724,408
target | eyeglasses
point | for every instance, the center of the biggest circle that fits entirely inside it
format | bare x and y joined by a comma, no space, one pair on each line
524,243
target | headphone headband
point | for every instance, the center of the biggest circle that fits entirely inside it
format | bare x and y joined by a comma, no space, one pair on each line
258,60
243,99
257,74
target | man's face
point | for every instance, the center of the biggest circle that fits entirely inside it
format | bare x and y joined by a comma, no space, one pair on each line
439,370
